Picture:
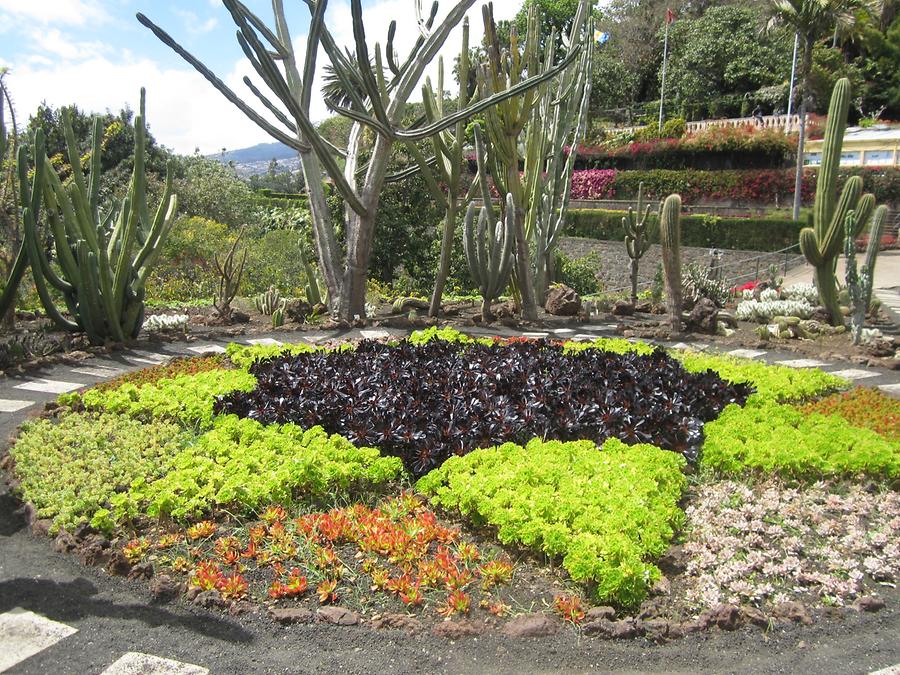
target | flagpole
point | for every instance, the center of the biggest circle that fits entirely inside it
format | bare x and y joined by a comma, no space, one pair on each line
790,104
662,90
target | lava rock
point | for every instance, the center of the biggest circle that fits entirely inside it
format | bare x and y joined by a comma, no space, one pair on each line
623,308
397,622
755,616
289,615
337,616
726,617
297,310
792,611
661,587
674,561
869,603
703,316
237,316
454,630
93,553
562,301
64,542
118,565
644,307
619,630
597,613
656,630
209,600
240,607
164,587
141,571
530,625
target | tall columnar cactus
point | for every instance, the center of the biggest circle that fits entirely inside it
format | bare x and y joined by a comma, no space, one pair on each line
10,220
821,241
103,269
639,230
267,302
861,280
488,247
670,237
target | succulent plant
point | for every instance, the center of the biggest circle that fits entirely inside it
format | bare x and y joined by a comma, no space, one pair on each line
267,302
670,236
821,241
488,247
860,280
639,230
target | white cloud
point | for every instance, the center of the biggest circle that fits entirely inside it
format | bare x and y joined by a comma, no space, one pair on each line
183,110
73,12
194,24
52,41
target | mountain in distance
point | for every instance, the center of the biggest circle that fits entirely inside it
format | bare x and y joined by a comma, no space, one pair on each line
255,160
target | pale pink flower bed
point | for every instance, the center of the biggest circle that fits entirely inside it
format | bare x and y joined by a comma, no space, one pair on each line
769,543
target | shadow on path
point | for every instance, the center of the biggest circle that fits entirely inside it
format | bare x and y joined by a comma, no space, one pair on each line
12,516
73,600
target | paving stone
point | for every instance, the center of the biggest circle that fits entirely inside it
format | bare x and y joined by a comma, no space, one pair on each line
12,405
46,386
802,363
265,341
535,335
891,388
24,634
563,331
746,353
854,374
207,349
98,371
136,663
374,334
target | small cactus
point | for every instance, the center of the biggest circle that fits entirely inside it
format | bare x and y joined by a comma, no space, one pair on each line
278,316
639,229
670,236
266,303
860,281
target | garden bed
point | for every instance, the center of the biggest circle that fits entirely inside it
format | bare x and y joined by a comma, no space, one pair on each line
588,524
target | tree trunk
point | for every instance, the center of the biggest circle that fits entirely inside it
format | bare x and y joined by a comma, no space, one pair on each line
806,67
486,316
327,250
523,255
634,281
446,251
360,229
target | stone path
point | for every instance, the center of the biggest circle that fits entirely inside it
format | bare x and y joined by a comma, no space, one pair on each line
24,635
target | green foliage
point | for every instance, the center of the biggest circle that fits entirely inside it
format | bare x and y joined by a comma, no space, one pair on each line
243,466
608,513
186,398
244,356
829,65
74,469
614,345
773,438
580,273
185,270
704,65
755,233
213,190
772,383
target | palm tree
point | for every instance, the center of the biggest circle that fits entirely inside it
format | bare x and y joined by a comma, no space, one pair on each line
811,20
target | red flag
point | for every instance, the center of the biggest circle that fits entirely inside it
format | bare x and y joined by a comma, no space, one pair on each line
670,16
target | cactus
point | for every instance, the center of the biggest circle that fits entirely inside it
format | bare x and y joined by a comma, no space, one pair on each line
229,278
821,241
278,315
670,237
11,221
311,289
639,230
489,251
266,303
876,229
103,269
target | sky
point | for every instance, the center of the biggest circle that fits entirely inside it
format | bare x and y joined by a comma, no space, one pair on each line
94,54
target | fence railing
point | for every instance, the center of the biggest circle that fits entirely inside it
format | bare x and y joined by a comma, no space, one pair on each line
785,123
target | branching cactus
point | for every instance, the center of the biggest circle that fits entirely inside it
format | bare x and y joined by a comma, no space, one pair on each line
104,259
230,274
10,219
639,230
821,242
488,247
670,237
266,303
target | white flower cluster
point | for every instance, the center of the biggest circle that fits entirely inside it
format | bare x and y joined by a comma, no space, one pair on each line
159,322
805,292
765,310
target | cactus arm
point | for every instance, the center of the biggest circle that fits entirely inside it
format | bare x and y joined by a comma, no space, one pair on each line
95,176
824,206
29,230
670,234
876,229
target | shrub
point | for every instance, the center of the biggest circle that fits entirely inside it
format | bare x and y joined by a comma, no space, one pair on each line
153,374
244,466
862,407
762,234
579,274
772,383
186,398
773,438
424,403
244,356
72,470
607,513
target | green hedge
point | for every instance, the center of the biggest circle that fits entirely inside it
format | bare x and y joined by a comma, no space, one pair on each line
755,234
